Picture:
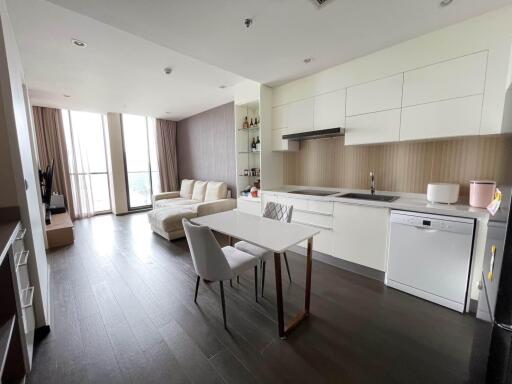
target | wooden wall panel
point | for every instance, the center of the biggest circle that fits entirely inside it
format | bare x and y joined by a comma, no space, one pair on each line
206,146
400,167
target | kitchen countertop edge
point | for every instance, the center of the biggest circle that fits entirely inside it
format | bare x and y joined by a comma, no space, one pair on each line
405,202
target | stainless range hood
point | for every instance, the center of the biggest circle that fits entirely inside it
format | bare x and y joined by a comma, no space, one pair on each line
331,132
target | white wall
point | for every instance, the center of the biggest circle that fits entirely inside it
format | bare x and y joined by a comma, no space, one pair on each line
16,127
118,179
491,32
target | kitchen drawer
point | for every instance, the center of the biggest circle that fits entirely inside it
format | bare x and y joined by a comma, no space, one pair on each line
324,207
319,221
298,204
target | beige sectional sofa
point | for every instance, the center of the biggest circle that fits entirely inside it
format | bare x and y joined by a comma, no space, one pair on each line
195,198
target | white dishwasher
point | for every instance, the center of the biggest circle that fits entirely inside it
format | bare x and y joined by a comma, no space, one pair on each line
430,257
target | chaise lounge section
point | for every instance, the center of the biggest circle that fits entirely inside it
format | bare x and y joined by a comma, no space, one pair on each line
195,198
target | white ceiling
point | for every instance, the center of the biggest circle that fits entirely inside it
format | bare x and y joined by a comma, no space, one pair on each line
284,32
131,41
117,72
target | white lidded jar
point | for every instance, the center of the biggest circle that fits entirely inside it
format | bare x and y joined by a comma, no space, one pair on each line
481,192
446,193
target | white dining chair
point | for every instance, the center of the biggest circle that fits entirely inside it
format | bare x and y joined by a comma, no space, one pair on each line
274,211
213,263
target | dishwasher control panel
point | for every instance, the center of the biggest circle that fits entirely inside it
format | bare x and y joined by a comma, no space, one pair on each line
433,222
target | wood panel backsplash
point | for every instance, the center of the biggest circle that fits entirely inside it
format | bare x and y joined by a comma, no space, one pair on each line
400,167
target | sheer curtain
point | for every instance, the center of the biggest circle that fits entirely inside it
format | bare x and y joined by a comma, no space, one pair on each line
86,156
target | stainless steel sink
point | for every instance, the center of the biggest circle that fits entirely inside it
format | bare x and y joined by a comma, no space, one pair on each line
367,196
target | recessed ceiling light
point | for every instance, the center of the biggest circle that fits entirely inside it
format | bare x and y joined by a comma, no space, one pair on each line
66,95
79,43
444,3
222,86
247,23
168,113
308,60
167,70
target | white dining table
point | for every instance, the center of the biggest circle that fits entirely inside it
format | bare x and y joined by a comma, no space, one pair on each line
276,236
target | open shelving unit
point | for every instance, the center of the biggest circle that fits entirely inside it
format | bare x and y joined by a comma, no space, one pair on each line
247,159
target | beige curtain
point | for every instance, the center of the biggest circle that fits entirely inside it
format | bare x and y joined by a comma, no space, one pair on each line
167,157
51,145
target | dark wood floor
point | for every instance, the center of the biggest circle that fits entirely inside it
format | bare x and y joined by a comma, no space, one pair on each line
123,312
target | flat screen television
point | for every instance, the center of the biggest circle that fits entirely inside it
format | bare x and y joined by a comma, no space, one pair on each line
45,181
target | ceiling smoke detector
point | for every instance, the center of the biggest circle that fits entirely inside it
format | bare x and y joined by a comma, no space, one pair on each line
320,3
445,3
79,43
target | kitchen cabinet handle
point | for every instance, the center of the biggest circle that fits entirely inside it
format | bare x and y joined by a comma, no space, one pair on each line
21,234
312,225
430,230
27,297
490,274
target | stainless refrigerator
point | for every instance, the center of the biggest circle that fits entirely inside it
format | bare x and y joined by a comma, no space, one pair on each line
492,346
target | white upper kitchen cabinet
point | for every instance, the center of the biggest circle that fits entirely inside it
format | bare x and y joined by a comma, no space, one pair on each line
377,95
280,117
300,115
463,76
360,234
371,128
278,144
329,111
448,118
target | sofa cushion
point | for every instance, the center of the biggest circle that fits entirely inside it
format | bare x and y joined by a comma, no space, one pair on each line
215,190
188,202
199,190
169,219
187,186
169,202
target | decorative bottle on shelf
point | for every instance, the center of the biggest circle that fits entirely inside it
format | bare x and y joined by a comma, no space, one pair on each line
256,122
252,124
245,125
258,143
253,144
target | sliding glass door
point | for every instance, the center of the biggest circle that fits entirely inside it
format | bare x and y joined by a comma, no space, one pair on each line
142,176
87,155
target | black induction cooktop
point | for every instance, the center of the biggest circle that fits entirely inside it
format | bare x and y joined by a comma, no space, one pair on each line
314,192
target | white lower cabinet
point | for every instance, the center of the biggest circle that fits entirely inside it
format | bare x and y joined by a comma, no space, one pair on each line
360,234
266,197
249,206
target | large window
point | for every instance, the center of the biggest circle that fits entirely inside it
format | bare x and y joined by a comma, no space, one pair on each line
86,144
143,178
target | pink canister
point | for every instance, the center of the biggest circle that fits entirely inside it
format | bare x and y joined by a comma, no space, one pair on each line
481,192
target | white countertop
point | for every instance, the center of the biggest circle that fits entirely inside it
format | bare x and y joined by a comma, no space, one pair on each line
407,201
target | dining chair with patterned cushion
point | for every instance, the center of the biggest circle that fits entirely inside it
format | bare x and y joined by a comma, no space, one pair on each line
274,211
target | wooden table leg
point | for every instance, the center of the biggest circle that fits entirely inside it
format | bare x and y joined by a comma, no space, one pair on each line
309,267
297,319
279,295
